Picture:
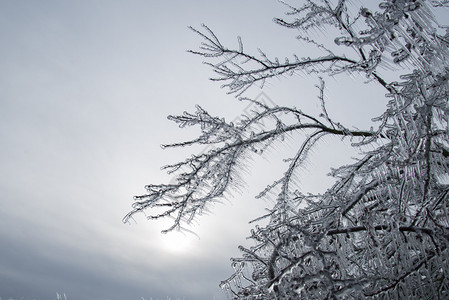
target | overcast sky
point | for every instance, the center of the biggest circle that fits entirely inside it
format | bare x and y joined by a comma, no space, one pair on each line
85,88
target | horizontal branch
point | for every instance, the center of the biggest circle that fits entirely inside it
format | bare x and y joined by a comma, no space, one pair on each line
379,227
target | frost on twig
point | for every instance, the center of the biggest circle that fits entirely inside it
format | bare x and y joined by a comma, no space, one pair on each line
204,178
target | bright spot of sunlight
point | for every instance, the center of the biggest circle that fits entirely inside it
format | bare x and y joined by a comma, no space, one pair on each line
176,242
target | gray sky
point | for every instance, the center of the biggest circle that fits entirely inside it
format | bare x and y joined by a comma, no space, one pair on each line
85,88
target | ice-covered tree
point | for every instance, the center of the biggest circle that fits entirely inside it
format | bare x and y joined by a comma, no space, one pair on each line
382,230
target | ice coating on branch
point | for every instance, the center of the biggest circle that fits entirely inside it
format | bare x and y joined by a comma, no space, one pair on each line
382,230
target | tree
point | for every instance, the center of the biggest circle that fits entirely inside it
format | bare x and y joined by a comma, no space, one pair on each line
382,230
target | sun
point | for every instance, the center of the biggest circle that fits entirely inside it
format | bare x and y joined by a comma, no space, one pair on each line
176,242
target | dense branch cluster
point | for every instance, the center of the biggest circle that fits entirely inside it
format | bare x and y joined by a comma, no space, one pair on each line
382,230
